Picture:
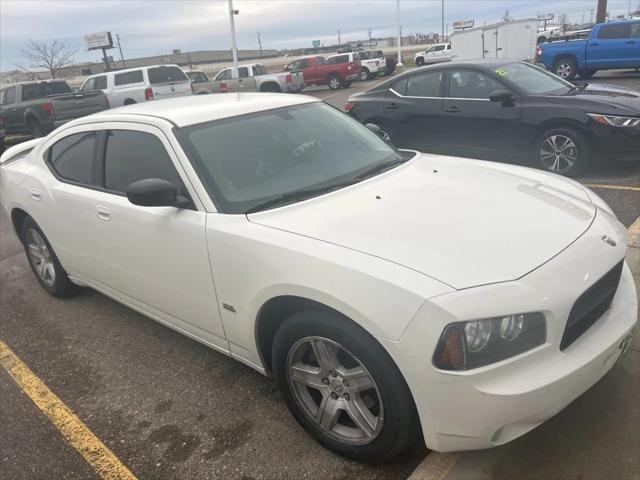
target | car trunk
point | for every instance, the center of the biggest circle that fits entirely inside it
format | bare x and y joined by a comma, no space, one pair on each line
168,82
79,104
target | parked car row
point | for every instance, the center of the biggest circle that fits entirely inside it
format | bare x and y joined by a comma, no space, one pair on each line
251,77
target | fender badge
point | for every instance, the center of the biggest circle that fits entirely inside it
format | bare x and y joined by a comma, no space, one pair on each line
609,241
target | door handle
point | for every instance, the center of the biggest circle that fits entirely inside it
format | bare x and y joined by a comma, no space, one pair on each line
103,213
35,194
594,45
392,106
631,42
453,109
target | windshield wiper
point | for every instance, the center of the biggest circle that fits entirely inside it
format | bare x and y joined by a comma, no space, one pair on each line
379,168
297,195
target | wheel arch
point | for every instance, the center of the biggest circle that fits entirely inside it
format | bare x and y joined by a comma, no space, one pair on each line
270,86
561,56
561,123
18,216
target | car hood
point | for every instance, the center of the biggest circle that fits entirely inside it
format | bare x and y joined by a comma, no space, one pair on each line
601,98
462,222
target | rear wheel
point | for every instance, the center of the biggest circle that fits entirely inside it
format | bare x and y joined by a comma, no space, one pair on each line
334,81
35,128
129,101
43,260
565,68
364,75
419,62
270,87
562,150
343,387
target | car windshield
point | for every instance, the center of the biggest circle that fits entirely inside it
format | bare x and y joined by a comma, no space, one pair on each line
250,160
533,80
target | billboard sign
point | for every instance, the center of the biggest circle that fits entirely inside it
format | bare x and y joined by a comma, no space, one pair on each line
98,40
463,24
316,43
545,16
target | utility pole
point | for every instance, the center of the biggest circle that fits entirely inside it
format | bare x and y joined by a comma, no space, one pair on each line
602,11
120,48
260,43
369,33
399,32
443,20
339,38
234,48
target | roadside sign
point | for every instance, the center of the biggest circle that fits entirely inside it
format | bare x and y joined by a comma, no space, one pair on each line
545,16
463,24
316,43
98,40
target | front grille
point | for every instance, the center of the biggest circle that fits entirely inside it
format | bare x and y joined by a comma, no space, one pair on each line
591,305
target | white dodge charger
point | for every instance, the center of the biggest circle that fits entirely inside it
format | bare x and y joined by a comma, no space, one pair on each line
388,292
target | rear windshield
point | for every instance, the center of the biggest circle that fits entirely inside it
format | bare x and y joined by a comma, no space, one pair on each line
31,91
166,75
197,77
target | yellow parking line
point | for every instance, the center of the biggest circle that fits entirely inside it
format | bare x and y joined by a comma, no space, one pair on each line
612,187
96,453
435,466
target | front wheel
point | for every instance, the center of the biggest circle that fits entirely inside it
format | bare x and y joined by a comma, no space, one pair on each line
343,387
334,81
44,262
562,150
419,62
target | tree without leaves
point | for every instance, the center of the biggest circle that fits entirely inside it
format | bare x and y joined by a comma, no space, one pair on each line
506,16
51,56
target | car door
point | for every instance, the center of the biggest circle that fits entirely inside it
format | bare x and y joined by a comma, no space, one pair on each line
154,258
472,124
609,47
128,87
633,46
13,119
413,111
244,82
221,80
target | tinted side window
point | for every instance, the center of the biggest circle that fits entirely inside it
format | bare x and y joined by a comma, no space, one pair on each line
622,30
304,63
259,70
243,72
424,85
88,85
72,157
132,156
401,86
470,84
101,83
10,96
224,75
635,30
128,77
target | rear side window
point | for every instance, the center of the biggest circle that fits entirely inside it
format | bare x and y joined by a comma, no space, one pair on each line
622,30
243,72
259,70
166,75
470,84
72,157
132,156
32,91
424,84
339,59
224,75
101,83
9,96
126,78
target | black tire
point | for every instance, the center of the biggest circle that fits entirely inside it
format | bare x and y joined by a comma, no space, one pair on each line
542,40
334,81
203,93
346,84
587,73
364,75
271,87
61,286
582,151
419,62
400,426
35,128
566,67
129,101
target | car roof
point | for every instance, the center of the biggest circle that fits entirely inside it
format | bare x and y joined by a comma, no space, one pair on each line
183,111
132,69
30,82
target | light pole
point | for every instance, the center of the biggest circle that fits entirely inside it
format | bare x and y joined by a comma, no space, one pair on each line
234,48
399,33
443,20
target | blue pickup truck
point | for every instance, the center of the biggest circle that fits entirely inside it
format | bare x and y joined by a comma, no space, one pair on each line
612,45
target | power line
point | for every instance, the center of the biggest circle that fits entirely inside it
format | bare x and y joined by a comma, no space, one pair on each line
124,65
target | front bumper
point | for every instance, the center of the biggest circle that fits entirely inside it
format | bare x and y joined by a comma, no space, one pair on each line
616,143
492,405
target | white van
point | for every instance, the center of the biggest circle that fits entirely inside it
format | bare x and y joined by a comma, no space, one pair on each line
135,85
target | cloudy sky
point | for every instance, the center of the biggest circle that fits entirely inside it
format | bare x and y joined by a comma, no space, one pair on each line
158,26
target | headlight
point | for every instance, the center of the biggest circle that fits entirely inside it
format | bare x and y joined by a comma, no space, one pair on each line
473,344
615,121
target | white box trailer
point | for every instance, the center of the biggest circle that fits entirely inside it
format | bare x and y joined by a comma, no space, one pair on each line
515,39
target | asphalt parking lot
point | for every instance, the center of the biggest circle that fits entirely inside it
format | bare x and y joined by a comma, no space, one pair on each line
168,407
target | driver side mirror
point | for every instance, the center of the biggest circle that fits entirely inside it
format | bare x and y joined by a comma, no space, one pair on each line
378,131
502,96
155,192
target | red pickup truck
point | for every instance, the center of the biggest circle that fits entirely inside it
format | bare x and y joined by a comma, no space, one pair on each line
336,72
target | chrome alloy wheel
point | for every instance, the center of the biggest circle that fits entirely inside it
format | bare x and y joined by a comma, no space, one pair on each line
564,70
385,136
558,153
334,83
335,391
40,257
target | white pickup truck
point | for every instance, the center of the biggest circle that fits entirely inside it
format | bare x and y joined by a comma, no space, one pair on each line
373,63
435,54
251,78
